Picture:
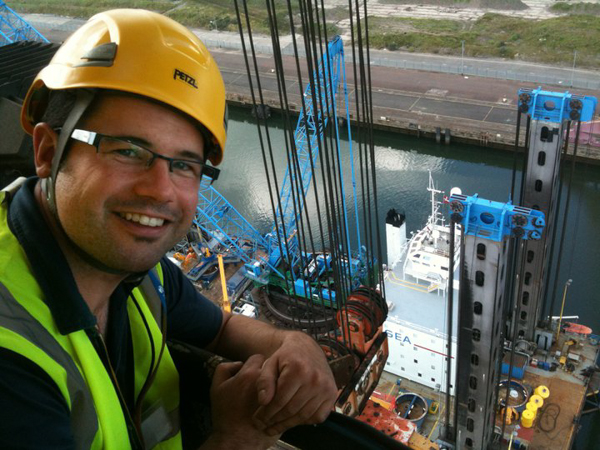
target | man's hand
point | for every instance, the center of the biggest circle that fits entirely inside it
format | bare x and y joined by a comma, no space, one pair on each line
234,400
295,386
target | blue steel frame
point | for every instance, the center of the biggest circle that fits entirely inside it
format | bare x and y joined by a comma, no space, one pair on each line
221,220
556,106
216,216
495,220
14,28
309,132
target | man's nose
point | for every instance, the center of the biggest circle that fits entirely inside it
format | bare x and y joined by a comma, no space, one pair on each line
156,181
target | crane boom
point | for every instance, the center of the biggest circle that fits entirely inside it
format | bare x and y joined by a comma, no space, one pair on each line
14,28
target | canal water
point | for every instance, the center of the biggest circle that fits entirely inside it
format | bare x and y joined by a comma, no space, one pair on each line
402,167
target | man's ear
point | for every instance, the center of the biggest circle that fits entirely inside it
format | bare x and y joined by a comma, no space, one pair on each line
45,141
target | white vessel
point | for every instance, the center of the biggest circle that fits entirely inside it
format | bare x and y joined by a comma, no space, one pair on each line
416,287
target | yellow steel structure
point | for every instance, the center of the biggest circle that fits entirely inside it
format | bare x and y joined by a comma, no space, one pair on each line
225,302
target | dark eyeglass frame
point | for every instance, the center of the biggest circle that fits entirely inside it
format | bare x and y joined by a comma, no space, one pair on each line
93,138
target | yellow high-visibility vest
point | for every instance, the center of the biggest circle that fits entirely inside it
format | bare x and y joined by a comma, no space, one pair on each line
97,418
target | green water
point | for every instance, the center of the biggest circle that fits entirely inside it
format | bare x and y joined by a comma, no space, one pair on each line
403,164
402,167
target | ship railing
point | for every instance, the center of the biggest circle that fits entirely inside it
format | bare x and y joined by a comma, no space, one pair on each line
434,287
416,285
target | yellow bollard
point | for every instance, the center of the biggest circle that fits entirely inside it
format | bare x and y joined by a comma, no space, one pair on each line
532,407
527,419
542,391
539,401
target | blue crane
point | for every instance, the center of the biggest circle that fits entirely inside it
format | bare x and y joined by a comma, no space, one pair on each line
14,28
263,255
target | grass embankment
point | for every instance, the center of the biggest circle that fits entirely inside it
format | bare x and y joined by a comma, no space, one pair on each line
576,8
208,14
492,4
84,9
551,41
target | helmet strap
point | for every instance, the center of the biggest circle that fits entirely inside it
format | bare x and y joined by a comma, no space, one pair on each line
83,102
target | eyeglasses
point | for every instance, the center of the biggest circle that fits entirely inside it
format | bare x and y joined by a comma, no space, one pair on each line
129,154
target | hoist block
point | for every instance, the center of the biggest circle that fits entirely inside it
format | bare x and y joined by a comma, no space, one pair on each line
556,106
494,220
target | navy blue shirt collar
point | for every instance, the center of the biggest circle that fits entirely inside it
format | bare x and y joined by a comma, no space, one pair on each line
48,263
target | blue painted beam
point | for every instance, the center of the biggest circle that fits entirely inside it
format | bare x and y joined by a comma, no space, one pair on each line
14,28
495,220
556,106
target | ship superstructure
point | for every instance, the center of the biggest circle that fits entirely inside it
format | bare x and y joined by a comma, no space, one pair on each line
416,285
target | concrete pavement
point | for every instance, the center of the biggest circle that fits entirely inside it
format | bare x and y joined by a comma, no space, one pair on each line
429,98
57,28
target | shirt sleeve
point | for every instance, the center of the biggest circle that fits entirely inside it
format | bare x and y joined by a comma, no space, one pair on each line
191,317
34,413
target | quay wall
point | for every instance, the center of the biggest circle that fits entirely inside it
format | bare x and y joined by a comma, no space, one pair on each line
443,129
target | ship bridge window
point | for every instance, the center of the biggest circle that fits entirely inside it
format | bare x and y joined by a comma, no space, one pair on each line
445,268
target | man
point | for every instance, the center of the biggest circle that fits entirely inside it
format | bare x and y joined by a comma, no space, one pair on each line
123,121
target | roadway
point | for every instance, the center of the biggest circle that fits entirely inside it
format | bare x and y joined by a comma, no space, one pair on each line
474,108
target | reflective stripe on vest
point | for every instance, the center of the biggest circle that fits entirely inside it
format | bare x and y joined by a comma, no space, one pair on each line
21,333
157,406
97,420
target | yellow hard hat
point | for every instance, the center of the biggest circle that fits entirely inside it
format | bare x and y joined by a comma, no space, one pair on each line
143,53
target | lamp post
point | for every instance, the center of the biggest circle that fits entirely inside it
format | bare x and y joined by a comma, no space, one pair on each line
573,70
462,59
562,308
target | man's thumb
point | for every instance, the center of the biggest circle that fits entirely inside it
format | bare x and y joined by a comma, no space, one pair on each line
225,371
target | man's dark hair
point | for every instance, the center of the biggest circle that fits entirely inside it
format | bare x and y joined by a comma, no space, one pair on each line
60,104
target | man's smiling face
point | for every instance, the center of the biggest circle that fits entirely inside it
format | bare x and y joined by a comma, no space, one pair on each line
127,219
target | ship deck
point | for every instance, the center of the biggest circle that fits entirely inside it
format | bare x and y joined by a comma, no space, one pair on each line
392,386
557,422
414,304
